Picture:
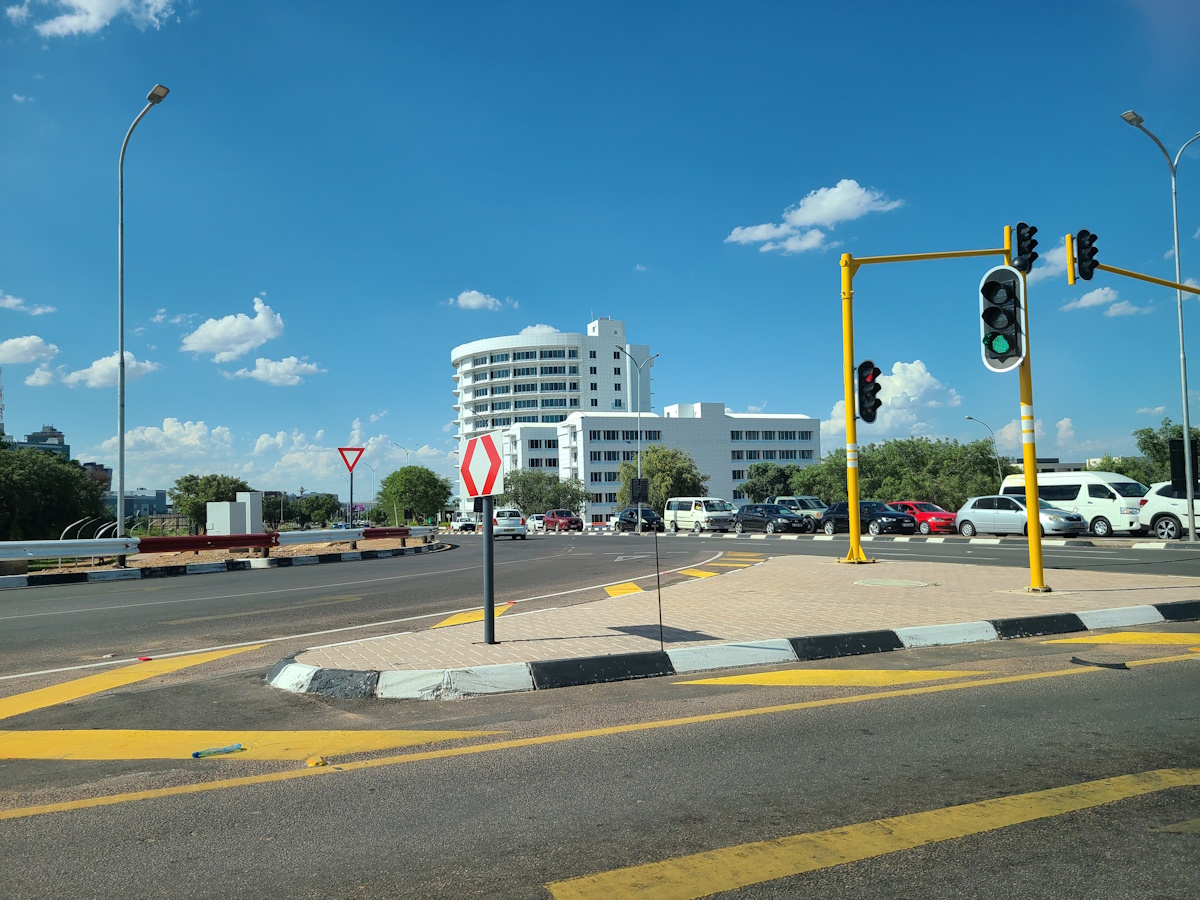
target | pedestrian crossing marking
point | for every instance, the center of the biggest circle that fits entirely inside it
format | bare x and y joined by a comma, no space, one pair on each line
1132,637
474,615
620,590
106,681
124,744
732,565
697,573
837,677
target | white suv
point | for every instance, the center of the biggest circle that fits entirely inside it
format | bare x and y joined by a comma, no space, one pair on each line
1164,512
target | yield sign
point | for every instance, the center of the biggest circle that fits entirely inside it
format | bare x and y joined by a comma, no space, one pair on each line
481,467
347,453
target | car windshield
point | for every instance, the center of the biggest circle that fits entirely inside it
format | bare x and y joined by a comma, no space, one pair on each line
928,507
508,514
809,504
875,506
1130,488
774,509
1042,504
718,506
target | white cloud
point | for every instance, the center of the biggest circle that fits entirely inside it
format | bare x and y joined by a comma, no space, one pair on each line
287,371
475,300
92,16
1066,431
1099,297
155,456
638,267
1050,264
103,372
320,435
1170,254
1153,411
757,409
1125,308
21,98
8,301
449,426
907,395
233,336
1197,237
538,329
159,316
40,377
29,348
375,417
1009,436
266,442
825,207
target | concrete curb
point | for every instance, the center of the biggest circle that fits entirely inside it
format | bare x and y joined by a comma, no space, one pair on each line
229,565
453,684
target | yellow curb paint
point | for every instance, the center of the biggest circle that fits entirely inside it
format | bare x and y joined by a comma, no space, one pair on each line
732,565
730,868
545,740
106,681
475,615
837,677
139,744
740,553
697,573
620,590
1131,637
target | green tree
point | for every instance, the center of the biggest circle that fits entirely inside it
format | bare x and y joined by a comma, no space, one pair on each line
320,508
671,472
536,490
41,493
1155,446
414,487
767,479
191,495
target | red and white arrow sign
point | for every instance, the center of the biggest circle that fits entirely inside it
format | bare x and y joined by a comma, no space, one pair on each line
482,467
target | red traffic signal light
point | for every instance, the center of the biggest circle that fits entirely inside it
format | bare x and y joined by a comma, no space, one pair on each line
868,387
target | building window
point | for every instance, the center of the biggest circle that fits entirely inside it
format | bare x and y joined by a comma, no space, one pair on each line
499,373
806,454
554,401
591,354
552,354
787,435
597,498
523,371
768,454
735,435
594,455
551,443
739,495
533,463
574,386
739,474
610,498
524,404
655,435
500,389
594,386
573,353
768,435
500,423
612,476
554,385
617,404
752,435
525,388
610,435
806,435
593,435
553,419
751,454
479,361
524,418
592,371
596,476
787,454
552,462
595,402
616,370
574,402
497,407
629,435
535,445
629,455
612,455
554,370
617,386
737,454
525,354
499,357
616,354
573,370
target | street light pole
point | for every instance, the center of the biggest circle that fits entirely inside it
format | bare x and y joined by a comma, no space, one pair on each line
638,368
1136,121
153,99
995,449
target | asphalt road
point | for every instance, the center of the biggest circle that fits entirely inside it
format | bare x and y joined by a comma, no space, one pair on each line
576,783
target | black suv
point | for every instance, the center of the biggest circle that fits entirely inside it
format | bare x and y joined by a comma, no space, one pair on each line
770,517
874,516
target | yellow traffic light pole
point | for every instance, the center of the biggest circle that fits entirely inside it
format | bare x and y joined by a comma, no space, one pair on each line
1128,273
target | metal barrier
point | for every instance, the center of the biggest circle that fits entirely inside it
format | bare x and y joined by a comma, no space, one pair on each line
76,548
180,543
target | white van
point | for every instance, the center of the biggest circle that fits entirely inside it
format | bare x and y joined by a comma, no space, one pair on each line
1107,501
699,514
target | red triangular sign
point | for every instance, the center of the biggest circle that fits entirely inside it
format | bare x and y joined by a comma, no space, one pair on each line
356,452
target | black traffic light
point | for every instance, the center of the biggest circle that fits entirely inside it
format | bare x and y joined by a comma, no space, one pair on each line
1001,318
1023,260
868,387
1085,254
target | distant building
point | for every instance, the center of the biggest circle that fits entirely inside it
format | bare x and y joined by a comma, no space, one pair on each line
140,502
1051,464
100,473
49,438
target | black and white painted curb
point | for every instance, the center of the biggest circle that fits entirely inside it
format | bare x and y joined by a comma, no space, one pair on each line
452,684
229,565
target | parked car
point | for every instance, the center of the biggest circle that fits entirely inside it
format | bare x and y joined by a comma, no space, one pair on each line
1006,514
699,514
1107,501
626,520
771,518
931,518
536,522
1165,511
812,507
874,516
462,523
561,520
509,523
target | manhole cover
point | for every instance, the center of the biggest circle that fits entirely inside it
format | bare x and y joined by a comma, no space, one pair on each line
891,582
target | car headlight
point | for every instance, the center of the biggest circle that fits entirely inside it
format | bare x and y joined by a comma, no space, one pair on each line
886,519
1056,518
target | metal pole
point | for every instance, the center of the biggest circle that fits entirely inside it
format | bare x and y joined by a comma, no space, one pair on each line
856,554
638,368
995,448
489,558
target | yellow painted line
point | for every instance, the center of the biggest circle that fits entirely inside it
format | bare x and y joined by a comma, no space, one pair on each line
544,740
1131,637
141,744
620,590
732,565
106,681
697,573
740,553
730,868
475,615
837,677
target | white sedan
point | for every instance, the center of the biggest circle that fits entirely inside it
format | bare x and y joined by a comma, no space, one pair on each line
510,523
535,522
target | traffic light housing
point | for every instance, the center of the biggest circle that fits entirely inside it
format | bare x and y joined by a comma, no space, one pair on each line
1002,318
868,387
1085,254
1025,255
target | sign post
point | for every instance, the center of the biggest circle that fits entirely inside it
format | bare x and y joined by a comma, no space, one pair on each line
357,453
482,472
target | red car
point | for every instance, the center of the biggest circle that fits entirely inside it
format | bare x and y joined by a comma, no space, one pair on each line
931,518
561,520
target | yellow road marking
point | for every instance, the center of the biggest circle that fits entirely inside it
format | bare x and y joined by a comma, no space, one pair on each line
741,553
1131,637
544,740
323,601
106,681
837,677
139,744
697,573
732,565
620,590
475,615
704,874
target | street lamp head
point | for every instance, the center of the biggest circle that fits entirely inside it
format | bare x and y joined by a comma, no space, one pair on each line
1132,118
158,93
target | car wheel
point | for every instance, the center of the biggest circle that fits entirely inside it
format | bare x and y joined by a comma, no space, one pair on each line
874,528
522,537
830,528
810,525
1100,527
696,528
966,529
1167,528
738,527
925,529
770,528
674,527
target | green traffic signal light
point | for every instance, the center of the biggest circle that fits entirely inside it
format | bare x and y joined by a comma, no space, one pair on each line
1001,319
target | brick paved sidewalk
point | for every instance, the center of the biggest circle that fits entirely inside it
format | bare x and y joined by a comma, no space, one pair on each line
786,596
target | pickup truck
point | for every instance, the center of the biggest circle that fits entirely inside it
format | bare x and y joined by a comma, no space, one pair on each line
463,523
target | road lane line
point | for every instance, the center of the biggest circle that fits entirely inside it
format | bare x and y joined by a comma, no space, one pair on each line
704,874
545,740
836,677
1133,637
304,604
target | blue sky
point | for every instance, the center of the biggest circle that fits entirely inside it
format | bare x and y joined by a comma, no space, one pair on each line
333,196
